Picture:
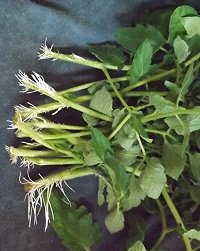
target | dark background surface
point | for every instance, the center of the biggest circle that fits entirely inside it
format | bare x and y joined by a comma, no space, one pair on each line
24,25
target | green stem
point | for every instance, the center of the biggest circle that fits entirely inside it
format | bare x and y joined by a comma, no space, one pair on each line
148,80
180,111
140,143
115,89
38,138
24,152
82,61
56,105
64,101
193,59
88,85
47,136
51,125
163,133
120,125
177,218
81,108
54,161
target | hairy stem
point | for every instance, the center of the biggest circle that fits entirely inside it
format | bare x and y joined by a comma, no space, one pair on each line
82,61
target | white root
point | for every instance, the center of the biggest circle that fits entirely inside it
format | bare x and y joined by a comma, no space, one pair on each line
36,199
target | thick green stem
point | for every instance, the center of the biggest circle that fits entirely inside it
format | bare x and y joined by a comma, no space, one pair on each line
67,174
54,161
82,61
24,152
51,125
177,218
56,105
38,138
47,136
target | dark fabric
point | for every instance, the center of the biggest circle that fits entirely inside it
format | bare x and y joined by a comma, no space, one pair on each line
24,25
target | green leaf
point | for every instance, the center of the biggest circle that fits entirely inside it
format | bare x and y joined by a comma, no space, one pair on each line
192,121
195,165
181,49
91,121
102,101
153,178
161,104
91,159
74,226
191,24
139,128
176,27
138,246
100,143
115,221
141,61
173,90
122,178
132,38
193,234
126,136
136,195
109,54
128,157
173,159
